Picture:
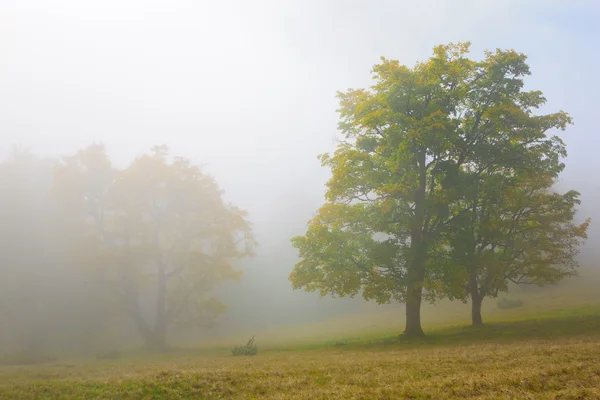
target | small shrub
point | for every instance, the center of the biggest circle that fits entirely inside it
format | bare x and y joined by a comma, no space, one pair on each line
250,349
505,304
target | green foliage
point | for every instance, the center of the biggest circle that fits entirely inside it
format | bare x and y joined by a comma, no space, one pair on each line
504,303
249,349
419,146
518,230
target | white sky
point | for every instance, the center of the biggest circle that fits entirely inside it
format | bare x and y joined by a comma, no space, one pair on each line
247,87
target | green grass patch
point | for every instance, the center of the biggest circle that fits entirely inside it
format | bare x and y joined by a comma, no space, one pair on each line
552,355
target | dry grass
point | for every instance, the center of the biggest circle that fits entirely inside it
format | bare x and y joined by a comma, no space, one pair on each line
553,357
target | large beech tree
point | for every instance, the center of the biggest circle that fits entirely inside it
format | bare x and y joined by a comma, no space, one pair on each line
398,177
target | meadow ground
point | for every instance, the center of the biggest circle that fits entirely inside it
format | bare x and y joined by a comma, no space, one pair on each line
547,349
552,356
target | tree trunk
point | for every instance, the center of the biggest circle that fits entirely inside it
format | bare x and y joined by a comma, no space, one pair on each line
159,334
416,269
156,342
414,294
476,300
413,312
476,310
135,311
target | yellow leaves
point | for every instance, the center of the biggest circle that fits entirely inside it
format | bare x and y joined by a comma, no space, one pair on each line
451,148
387,206
334,252
389,70
158,214
324,158
582,229
451,50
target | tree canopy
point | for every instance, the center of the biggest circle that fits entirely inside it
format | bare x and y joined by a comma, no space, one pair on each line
157,228
416,146
517,230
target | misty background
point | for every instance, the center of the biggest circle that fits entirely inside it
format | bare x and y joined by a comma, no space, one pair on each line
247,89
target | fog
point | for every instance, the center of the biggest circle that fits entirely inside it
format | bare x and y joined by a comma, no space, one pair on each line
246,89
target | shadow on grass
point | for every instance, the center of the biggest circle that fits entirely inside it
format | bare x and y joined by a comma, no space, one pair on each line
584,322
549,326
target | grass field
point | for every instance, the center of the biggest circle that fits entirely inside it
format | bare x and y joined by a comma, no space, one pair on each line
377,321
547,349
555,355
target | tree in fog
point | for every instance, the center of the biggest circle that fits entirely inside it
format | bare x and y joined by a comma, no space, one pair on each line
517,230
23,296
415,145
38,313
159,235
